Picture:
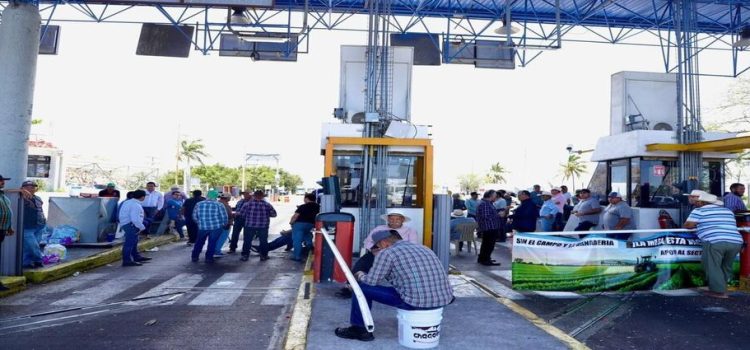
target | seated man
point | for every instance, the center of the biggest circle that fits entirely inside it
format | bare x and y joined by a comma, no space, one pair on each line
458,218
396,222
417,277
284,239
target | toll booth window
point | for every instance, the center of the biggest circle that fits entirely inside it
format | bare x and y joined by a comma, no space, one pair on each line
402,181
618,177
38,166
349,171
711,174
659,185
402,186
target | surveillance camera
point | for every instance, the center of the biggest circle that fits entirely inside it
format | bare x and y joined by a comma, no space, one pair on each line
569,148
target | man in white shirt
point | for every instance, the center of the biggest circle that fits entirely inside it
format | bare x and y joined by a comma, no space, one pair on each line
154,201
131,219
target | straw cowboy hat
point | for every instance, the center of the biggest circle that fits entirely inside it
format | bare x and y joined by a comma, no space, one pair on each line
457,213
396,213
709,198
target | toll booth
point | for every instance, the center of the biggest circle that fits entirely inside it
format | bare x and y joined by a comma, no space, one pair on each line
408,179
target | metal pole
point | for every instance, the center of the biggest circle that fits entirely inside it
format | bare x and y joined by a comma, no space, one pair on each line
19,47
441,240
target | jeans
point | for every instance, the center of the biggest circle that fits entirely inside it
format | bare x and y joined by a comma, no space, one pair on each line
547,224
239,223
301,232
31,251
381,294
130,247
212,236
192,229
488,245
249,234
280,242
178,224
222,239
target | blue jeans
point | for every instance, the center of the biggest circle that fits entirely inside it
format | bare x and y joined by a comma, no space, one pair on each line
547,224
279,242
212,236
249,233
31,251
178,225
222,239
130,247
381,294
301,231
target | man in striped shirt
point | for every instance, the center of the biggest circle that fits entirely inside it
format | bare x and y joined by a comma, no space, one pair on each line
211,217
721,241
733,199
416,277
257,214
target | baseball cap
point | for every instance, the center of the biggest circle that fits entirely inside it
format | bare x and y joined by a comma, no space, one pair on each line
111,184
28,183
4,178
615,195
225,195
212,194
379,236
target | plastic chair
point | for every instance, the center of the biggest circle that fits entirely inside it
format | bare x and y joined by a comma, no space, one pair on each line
467,235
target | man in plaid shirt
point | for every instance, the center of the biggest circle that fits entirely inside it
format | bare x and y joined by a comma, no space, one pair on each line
257,214
417,278
211,217
489,222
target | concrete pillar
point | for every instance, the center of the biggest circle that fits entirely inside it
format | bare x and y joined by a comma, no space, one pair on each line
19,47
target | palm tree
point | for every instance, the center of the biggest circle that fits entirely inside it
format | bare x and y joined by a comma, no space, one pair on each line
193,150
469,182
497,173
574,166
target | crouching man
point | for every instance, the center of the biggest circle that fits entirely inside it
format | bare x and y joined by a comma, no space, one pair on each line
417,277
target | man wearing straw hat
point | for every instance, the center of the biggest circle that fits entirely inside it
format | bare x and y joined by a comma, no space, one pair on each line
416,277
721,242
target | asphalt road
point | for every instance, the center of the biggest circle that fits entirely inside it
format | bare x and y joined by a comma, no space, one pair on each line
169,303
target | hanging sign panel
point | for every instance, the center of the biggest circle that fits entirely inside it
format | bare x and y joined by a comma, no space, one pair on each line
597,263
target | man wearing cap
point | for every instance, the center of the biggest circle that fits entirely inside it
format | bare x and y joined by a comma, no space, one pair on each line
131,219
587,211
472,204
733,199
174,212
717,230
168,194
257,214
618,216
110,191
395,221
416,277
6,215
211,217
548,212
34,226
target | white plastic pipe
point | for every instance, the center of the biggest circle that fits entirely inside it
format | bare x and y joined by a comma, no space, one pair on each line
361,301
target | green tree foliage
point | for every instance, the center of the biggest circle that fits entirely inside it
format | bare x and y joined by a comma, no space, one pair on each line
496,175
217,175
572,168
469,182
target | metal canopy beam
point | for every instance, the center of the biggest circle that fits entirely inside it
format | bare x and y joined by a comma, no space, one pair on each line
732,145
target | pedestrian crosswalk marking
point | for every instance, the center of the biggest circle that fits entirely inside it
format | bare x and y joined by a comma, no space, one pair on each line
103,291
224,291
38,293
177,283
282,290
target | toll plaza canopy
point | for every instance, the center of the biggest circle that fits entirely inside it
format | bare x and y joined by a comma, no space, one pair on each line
712,16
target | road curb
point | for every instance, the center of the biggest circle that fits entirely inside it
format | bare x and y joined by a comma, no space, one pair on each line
299,324
69,268
570,342
14,284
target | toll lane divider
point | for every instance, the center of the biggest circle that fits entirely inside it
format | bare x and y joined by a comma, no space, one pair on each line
79,265
570,342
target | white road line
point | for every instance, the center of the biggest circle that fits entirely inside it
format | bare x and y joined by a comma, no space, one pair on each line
39,293
558,295
179,283
225,290
464,289
496,286
504,274
677,293
103,291
285,292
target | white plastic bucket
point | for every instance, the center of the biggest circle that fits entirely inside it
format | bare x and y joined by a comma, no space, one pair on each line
419,329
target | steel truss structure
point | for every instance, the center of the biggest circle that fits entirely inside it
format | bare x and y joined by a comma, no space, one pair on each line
544,24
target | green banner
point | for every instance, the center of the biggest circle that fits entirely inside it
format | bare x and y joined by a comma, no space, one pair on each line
597,263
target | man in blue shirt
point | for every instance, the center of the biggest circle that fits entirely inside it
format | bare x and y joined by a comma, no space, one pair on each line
733,199
472,204
174,209
211,217
536,196
131,217
548,212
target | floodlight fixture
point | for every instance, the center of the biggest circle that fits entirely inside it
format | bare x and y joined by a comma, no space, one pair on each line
506,29
744,39
238,16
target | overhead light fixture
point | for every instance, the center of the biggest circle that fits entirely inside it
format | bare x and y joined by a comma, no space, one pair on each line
506,29
238,16
744,39
263,39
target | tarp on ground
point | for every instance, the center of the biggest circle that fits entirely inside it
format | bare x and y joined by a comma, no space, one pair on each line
597,263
